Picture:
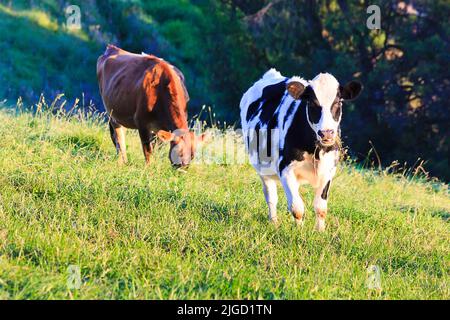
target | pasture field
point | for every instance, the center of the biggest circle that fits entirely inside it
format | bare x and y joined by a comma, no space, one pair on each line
156,233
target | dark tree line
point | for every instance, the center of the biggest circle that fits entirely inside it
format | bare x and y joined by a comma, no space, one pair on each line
404,67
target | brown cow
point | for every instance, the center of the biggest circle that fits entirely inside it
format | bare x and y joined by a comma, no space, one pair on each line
146,93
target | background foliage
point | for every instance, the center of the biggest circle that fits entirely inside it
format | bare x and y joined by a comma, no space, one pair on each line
223,46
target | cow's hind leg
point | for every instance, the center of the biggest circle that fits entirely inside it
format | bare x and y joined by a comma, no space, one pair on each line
271,195
112,134
118,138
147,143
321,205
295,202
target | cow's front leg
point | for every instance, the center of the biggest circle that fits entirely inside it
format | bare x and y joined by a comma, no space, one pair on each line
321,204
147,143
271,195
118,138
295,202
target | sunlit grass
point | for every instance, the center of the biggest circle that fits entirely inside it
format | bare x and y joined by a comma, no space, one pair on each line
152,232
41,18
45,21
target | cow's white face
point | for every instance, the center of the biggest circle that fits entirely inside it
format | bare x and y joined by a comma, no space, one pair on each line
324,108
324,98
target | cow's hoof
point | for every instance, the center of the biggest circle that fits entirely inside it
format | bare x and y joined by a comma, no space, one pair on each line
122,161
299,222
320,225
274,221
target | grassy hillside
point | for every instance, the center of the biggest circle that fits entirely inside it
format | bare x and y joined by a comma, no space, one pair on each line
41,55
153,232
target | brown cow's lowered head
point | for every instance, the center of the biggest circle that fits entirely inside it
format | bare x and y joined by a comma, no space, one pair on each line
183,145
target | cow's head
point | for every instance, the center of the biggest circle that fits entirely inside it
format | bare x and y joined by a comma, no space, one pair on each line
324,97
183,145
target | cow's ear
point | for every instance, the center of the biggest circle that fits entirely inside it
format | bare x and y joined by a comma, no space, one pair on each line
351,90
295,89
165,136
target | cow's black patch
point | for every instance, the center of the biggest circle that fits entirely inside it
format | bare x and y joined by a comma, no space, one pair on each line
257,144
269,108
314,112
336,111
289,112
271,125
271,98
267,104
257,128
336,107
252,109
314,108
324,194
301,138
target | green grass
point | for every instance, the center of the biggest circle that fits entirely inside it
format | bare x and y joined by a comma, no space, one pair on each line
155,233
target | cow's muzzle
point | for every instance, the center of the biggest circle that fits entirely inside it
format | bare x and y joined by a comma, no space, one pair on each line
180,166
327,137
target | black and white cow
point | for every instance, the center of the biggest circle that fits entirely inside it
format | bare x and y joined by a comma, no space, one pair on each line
291,131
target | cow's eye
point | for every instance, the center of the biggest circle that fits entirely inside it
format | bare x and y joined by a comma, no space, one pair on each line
336,110
314,112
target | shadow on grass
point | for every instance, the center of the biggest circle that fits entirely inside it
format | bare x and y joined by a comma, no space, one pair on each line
80,145
206,208
442,213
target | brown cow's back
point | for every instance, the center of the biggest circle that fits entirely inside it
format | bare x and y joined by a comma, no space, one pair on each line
141,90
